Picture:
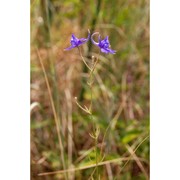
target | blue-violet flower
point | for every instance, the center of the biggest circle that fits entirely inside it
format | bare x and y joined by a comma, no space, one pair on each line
104,45
75,42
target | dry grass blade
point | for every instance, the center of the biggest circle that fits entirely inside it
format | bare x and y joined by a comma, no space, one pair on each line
109,172
135,151
136,158
54,111
85,167
70,130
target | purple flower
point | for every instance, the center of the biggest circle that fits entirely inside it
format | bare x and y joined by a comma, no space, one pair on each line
104,45
75,42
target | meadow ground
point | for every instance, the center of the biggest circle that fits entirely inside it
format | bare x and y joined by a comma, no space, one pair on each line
61,132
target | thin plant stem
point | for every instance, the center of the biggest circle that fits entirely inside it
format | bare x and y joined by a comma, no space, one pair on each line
89,111
94,66
83,58
84,109
104,137
90,83
54,113
91,75
95,129
97,171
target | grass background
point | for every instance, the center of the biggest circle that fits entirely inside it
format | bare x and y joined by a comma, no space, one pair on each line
120,92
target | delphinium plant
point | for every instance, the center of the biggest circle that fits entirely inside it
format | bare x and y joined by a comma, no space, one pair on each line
104,47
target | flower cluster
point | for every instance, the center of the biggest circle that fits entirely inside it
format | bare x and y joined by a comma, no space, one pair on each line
103,44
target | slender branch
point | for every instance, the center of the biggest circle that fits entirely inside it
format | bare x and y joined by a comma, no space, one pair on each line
84,109
83,58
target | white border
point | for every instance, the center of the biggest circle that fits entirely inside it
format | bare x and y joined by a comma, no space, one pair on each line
15,90
165,89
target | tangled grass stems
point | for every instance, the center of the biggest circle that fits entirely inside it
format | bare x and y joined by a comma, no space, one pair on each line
132,153
117,160
138,162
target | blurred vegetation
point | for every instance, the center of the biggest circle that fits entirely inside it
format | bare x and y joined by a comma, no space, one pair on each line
120,92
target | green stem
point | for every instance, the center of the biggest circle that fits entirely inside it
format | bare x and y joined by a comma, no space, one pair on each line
83,58
97,170
95,127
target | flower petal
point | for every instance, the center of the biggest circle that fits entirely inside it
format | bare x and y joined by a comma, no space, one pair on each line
111,51
73,42
69,48
106,40
74,38
84,40
104,50
107,50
